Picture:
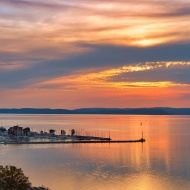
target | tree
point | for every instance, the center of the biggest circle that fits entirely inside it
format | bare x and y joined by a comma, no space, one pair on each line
11,131
51,131
12,178
26,130
72,132
2,129
63,132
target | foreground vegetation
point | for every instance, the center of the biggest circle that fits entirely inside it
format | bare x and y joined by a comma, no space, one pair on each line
12,178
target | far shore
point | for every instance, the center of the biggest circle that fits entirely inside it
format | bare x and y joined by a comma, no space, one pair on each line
113,111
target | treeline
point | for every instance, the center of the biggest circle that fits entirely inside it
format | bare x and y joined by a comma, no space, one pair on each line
129,111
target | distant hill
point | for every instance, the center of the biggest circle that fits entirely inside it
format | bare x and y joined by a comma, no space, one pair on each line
127,111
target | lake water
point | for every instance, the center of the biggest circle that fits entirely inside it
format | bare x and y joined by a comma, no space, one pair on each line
162,162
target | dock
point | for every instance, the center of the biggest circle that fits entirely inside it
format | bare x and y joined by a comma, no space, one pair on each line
142,140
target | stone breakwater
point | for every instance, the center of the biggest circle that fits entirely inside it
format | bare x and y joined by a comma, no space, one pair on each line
79,141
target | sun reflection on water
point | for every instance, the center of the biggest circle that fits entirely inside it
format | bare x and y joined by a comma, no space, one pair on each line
162,162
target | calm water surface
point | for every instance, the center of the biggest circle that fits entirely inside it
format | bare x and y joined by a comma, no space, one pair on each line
162,162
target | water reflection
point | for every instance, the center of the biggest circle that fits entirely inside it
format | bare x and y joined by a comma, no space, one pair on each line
163,162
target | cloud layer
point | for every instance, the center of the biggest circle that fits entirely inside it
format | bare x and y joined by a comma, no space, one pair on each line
75,45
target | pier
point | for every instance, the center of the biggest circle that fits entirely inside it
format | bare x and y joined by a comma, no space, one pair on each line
77,142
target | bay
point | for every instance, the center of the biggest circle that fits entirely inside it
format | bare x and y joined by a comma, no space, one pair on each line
162,162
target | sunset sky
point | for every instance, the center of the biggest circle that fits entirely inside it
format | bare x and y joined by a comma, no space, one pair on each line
94,53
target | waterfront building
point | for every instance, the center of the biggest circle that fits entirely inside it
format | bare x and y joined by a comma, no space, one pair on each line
15,130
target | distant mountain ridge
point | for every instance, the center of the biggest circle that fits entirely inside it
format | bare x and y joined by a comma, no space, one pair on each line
125,111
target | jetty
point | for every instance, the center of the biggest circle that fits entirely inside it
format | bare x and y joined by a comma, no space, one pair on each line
142,140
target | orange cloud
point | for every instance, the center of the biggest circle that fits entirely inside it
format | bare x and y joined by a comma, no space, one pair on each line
131,23
102,79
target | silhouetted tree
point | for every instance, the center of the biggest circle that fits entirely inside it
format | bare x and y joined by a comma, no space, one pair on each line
2,129
10,131
12,178
63,132
51,131
72,132
26,130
